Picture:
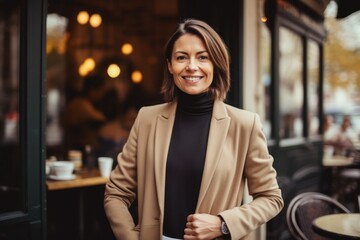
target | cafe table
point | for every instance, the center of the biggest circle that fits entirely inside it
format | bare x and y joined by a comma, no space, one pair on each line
82,178
337,161
78,191
338,226
332,166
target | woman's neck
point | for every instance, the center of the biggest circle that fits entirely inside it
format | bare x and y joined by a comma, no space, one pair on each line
198,104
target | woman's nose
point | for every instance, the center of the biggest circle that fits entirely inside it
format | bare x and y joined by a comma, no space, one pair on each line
192,66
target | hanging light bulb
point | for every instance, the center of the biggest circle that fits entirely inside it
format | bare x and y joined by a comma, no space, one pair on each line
95,20
136,76
113,70
83,17
127,48
89,63
83,71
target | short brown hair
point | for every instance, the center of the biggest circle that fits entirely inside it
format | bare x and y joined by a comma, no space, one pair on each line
218,55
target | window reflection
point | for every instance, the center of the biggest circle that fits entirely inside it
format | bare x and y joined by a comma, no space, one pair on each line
98,77
265,73
313,65
55,77
291,84
10,176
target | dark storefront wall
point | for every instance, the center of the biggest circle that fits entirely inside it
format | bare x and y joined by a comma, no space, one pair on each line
22,186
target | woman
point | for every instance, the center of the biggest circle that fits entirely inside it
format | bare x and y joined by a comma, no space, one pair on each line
186,161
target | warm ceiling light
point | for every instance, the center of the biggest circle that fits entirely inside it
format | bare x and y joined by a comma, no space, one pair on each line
83,17
89,63
127,49
136,76
83,71
95,20
264,19
113,70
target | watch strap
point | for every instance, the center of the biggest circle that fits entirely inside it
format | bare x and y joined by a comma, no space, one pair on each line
224,228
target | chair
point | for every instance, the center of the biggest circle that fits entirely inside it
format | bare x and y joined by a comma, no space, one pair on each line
350,188
304,208
307,179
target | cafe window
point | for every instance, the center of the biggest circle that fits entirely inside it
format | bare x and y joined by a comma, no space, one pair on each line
109,53
296,69
291,84
10,164
313,77
56,79
264,90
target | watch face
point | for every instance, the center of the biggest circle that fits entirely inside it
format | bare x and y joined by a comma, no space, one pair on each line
224,228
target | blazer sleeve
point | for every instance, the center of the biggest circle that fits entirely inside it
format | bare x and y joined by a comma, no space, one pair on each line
261,178
120,191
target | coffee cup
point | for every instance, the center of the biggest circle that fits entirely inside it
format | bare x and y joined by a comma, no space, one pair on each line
62,169
105,166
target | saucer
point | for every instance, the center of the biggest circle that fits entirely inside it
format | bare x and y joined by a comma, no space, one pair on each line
54,177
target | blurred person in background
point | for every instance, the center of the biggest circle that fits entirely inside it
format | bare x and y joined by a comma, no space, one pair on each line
345,137
187,161
82,117
115,131
330,129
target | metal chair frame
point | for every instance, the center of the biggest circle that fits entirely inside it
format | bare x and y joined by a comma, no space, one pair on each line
299,200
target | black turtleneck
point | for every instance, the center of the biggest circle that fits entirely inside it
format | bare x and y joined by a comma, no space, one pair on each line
186,158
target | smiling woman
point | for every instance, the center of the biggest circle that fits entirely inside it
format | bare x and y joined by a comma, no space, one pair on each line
201,149
190,65
196,53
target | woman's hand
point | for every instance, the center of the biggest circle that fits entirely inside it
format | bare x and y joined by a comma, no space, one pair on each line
202,226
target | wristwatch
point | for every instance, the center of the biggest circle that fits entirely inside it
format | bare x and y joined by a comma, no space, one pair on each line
224,228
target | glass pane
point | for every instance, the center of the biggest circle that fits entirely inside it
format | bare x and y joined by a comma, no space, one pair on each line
55,76
341,70
265,73
313,64
291,84
98,76
10,174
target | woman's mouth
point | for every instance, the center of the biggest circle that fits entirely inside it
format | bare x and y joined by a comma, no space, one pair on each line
192,79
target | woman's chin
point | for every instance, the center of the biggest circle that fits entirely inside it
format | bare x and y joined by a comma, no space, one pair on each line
193,91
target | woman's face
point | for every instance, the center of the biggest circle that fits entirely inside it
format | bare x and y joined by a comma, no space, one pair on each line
190,65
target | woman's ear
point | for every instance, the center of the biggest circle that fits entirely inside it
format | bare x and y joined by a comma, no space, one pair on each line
169,66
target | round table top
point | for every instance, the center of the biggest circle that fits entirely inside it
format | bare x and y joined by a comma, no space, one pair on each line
337,161
353,173
338,226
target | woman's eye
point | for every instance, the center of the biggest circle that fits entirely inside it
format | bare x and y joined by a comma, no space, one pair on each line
203,58
180,58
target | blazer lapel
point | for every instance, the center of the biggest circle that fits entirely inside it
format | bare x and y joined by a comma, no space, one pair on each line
163,131
219,127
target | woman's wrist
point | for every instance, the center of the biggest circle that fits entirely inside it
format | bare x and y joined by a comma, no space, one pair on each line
223,227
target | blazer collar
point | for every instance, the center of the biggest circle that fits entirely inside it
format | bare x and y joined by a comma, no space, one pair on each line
219,128
163,130
218,131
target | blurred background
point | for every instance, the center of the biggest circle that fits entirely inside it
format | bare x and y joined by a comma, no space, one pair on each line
73,75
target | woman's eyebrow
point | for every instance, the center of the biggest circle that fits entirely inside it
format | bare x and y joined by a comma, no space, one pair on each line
184,52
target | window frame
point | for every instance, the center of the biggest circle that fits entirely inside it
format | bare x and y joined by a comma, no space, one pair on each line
316,32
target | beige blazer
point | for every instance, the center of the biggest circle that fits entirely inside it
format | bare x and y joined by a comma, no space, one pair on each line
236,151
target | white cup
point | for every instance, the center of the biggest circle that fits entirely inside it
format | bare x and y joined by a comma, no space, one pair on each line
328,151
63,169
105,165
